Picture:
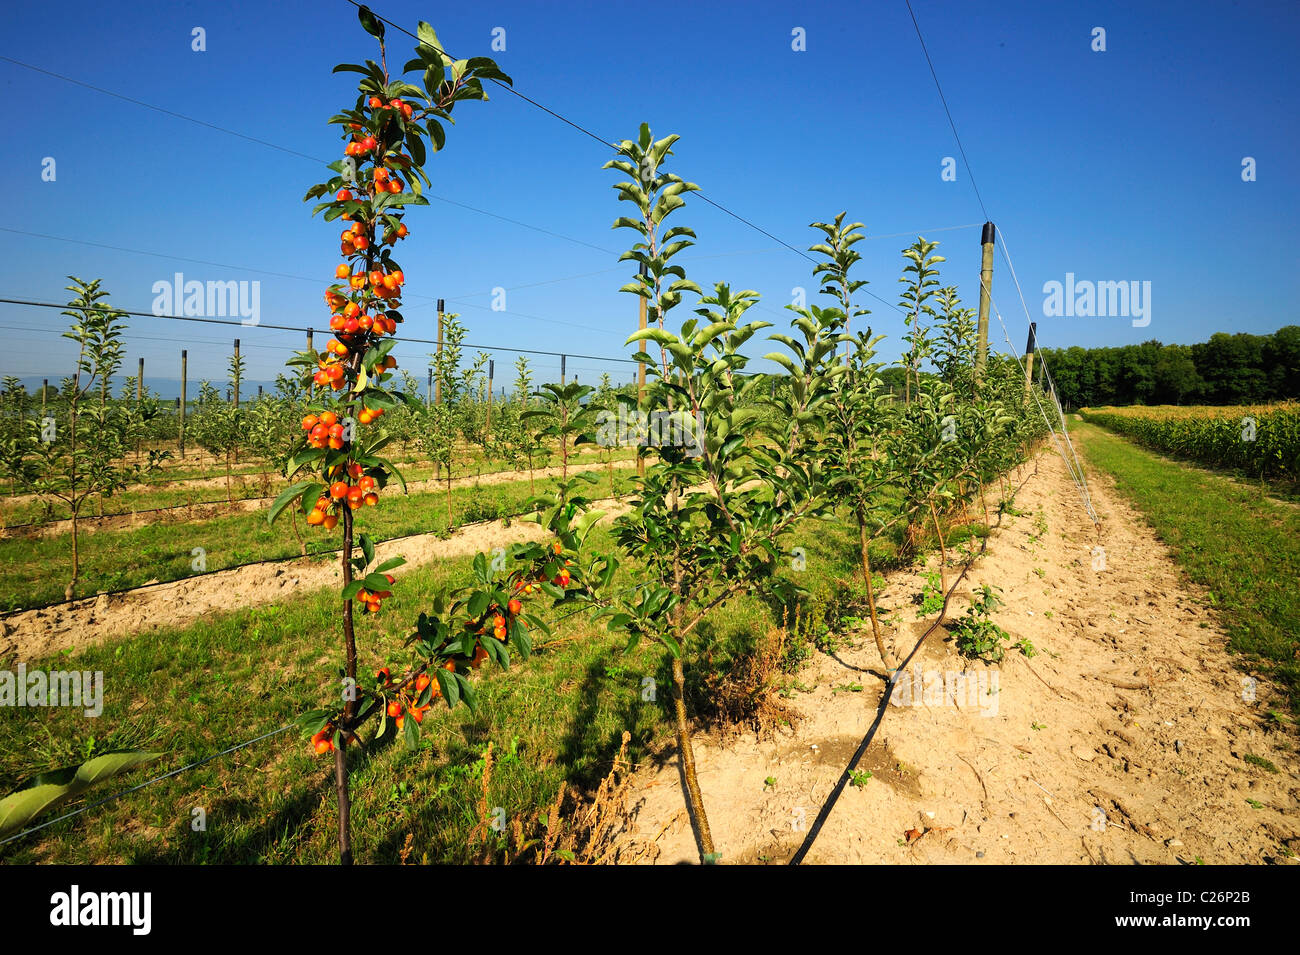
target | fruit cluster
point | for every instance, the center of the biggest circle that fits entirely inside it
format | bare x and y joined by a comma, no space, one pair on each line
407,699
323,741
360,490
373,599
562,579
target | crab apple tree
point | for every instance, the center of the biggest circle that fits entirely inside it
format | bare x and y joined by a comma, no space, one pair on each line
388,134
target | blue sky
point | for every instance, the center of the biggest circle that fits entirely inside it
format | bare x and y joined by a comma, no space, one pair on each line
1115,166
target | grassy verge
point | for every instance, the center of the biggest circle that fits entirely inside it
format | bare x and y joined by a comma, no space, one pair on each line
1243,547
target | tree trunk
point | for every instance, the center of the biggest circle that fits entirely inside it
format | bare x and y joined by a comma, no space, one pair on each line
349,706
72,584
943,553
293,517
687,755
345,805
885,656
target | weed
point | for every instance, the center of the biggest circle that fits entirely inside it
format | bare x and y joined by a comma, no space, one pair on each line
859,777
931,596
1261,762
976,635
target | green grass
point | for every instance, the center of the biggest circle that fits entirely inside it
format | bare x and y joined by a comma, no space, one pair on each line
249,482
35,570
1243,547
193,691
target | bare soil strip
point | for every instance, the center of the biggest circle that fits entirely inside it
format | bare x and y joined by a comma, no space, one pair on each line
187,513
1124,740
30,634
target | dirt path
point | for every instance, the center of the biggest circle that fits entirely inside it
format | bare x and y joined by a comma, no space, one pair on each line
187,513
30,634
1122,741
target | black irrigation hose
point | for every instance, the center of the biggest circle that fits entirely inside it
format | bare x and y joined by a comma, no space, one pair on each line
846,777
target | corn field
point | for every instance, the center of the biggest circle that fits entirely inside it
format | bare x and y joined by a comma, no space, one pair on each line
1261,440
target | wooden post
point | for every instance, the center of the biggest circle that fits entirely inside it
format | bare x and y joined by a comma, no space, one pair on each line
437,385
428,398
562,358
139,395
1030,346
182,422
259,391
235,383
492,367
986,288
45,386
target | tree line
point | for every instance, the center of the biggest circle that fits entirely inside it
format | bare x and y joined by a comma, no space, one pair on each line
1229,369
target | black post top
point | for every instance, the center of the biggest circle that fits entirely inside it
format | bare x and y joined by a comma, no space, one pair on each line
440,305
990,233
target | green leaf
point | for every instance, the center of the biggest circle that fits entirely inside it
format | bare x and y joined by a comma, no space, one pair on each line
372,24
287,497
427,36
450,687
478,603
375,582
20,808
660,335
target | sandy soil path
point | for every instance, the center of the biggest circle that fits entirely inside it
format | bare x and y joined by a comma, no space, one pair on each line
185,513
29,634
1122,741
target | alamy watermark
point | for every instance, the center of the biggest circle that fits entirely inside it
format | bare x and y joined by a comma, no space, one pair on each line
197,299
660,429
53,688
976,689
1087,299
